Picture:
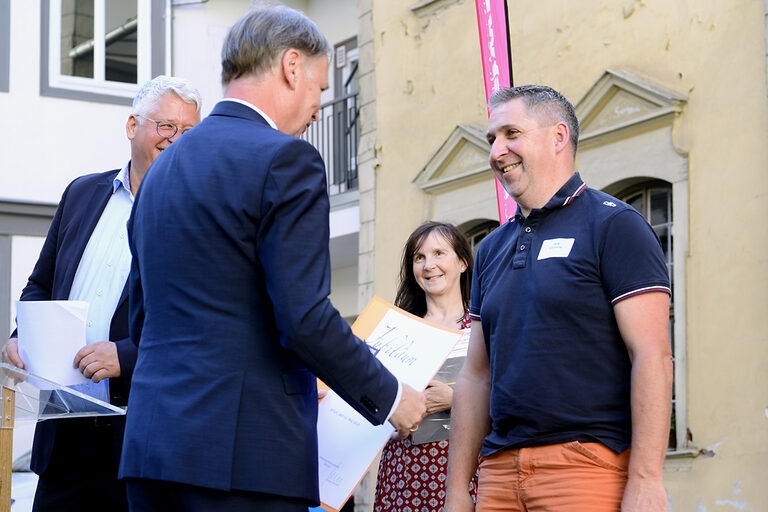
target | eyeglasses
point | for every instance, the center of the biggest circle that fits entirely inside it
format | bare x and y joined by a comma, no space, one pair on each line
164,129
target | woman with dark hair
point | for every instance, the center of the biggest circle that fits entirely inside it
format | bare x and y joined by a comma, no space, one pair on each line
435,281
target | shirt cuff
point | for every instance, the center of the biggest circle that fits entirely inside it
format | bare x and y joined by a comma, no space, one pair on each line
640,291
398,396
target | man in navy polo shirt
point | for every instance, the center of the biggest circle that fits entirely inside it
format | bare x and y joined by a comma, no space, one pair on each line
566,390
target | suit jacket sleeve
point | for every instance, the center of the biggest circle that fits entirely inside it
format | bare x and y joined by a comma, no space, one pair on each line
135,292
292,246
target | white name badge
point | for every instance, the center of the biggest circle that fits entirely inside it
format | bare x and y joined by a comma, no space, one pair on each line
556,248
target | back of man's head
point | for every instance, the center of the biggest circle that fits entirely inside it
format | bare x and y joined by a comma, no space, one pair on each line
148,97
258,39
543,101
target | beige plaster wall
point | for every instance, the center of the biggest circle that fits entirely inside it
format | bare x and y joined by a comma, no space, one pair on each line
428,79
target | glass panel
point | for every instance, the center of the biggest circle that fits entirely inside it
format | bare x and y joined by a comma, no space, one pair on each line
77,38
663,233
659,207
39,398
476,234
660,217
120,32
636,202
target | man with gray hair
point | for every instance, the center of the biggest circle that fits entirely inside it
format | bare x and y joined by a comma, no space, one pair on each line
229,295
86,257
566,390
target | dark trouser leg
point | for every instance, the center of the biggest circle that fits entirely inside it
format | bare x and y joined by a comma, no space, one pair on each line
158,496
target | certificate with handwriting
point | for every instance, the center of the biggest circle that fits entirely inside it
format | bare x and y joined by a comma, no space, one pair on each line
413,350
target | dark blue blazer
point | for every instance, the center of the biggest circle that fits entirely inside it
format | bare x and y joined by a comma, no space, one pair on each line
229,306
76,217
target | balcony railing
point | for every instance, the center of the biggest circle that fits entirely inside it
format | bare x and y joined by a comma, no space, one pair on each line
335,135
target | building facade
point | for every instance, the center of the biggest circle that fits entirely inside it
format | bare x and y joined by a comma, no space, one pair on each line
672,102
68,72
672,98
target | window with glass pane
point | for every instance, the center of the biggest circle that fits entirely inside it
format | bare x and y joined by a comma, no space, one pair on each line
121,22
480,231
79,47
100,50
654,201
77,38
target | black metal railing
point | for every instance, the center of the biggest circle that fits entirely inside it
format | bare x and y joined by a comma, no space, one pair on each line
335,135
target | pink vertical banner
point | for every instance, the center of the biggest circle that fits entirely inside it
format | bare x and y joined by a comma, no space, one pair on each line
497,72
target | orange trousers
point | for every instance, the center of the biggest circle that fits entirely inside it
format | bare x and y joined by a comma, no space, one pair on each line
566,477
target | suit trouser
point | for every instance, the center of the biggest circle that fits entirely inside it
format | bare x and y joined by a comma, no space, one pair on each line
82,472
573,477
159,496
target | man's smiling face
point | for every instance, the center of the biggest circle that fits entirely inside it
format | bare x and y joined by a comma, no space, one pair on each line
521,147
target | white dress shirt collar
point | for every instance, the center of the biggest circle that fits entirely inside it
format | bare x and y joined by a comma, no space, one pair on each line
254,107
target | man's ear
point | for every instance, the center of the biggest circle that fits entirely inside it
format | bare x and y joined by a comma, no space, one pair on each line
290,65
130,126
562,136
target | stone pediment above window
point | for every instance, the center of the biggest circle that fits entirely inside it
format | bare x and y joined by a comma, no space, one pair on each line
460,160
430,7
620,101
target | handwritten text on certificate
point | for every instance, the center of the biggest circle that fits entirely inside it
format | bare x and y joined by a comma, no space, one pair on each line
413,351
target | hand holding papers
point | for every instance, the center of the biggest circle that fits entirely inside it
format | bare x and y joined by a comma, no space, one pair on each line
50,334
413,351
409,412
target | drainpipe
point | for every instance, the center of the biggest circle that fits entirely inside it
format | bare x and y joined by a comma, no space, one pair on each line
169,30
169,37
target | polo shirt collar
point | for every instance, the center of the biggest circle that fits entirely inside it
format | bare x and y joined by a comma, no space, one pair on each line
572,188
567,193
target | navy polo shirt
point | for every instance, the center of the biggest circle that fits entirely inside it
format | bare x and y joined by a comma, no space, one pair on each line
544,289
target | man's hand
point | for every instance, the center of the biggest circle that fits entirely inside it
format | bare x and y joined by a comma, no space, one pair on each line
459,503
11,353
439,396
644,495
98,361
409,412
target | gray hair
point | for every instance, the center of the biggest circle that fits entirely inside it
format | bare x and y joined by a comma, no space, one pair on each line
542,99
151,93
258,39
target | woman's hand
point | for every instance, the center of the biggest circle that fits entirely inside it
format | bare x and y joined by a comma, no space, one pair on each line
439,396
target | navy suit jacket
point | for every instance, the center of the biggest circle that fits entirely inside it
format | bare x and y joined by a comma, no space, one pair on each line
229,306
76,217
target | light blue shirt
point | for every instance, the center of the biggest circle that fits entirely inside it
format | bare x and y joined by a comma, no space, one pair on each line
103,271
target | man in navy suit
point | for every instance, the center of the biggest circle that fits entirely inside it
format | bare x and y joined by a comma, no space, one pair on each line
229,295
86,257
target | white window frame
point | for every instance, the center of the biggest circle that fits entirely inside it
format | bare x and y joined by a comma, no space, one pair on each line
98,84
5,44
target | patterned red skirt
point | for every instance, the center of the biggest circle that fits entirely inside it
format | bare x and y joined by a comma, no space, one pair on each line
412,477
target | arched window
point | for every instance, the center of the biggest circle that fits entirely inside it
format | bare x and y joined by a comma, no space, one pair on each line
653,199
478,231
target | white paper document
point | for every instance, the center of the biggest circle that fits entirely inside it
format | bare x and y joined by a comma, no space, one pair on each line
50,334
413,351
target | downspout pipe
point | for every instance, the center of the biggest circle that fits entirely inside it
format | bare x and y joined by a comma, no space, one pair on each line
169,37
